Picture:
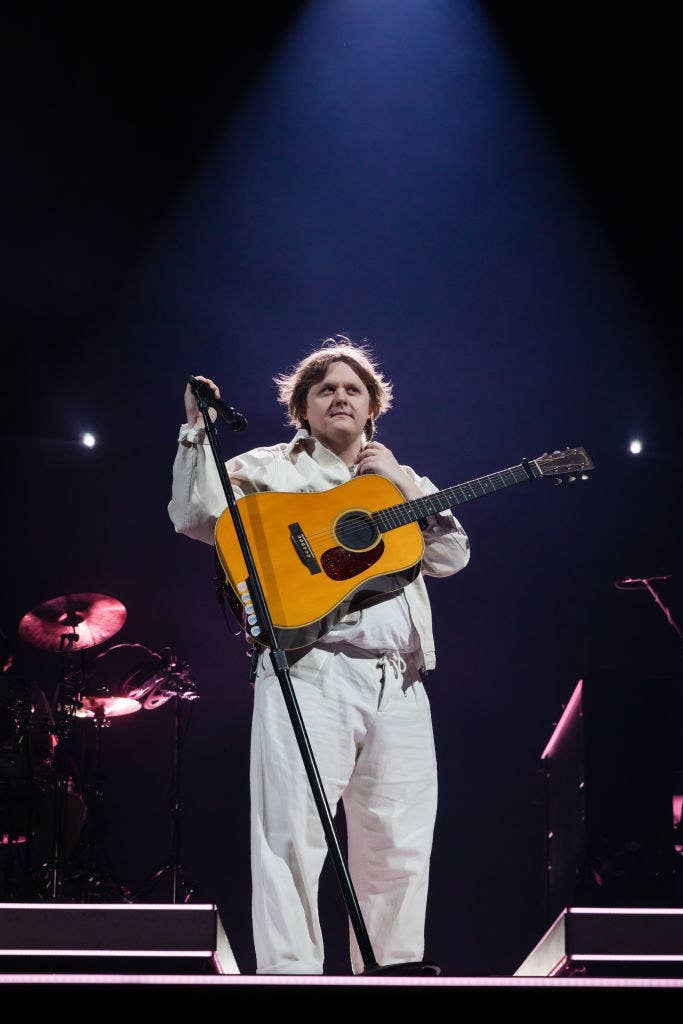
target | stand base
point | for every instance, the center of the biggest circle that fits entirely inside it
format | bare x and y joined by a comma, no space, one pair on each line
423,967
181,889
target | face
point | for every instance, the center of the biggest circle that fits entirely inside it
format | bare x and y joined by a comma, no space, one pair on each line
338,407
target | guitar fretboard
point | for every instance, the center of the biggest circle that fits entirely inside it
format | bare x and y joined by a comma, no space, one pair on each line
419,508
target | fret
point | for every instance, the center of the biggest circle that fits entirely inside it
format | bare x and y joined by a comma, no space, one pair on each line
420,508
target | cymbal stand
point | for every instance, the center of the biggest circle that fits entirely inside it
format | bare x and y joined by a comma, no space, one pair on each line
180,684
65,703
101,881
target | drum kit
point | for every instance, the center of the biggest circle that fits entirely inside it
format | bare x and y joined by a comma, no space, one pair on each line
51,807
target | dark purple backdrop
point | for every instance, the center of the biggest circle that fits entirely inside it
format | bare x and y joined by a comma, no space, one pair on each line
489,194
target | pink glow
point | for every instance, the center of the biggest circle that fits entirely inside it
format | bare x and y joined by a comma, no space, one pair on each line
110,952
567,716
307,980
677,807
625,910
630,957
94,907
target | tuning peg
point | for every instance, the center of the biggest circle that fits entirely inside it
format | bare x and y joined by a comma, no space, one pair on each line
558,480
571,479
584,476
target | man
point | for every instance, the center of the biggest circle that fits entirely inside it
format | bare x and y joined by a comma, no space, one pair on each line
359,688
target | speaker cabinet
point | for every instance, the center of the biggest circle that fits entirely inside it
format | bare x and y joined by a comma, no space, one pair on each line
610,771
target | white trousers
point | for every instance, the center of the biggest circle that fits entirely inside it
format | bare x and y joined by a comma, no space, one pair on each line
369,724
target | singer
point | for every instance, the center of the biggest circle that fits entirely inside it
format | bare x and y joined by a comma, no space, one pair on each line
360,688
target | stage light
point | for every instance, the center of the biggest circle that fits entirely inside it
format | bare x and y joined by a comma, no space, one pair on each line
88,440
635,447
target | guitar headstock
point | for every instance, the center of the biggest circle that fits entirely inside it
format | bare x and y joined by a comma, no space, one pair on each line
570,464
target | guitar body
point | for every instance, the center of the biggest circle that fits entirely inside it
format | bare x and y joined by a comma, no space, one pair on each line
319,555
324,554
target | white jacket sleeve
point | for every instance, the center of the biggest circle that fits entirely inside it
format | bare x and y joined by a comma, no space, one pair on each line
447,548
197,495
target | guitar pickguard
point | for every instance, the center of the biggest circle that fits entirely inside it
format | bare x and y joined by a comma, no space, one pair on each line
341,564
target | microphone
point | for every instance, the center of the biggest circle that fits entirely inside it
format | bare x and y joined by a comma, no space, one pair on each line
234,419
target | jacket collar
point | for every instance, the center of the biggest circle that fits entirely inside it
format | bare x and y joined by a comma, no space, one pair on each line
302,441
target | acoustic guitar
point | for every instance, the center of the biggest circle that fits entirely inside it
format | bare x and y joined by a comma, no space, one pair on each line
322,555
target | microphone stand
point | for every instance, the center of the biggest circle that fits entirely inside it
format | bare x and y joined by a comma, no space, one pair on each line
278,657
645,583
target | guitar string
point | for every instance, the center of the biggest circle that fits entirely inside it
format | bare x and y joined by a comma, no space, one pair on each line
392,513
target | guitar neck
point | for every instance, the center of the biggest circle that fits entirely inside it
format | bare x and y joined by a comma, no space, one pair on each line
420,508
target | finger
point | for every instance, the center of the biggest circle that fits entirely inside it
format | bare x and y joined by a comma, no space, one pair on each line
207,380
380,453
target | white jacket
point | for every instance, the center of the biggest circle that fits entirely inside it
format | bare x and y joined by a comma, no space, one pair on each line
303,465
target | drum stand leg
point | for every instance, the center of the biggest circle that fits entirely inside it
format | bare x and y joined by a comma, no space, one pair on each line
181,890
57,862
100,881
65,703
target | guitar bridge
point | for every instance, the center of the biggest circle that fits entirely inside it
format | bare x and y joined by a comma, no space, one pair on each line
303,548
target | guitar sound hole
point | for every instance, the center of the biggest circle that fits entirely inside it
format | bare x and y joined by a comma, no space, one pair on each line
356,530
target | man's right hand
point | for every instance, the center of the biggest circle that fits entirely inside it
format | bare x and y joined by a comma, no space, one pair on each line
194,417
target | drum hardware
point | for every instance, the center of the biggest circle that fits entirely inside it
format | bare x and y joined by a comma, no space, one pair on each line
174,682
122,680
66,704
98,878
52,625
68,625
38,824
98,695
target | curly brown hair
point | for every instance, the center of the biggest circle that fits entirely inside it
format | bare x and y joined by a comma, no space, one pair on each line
293,387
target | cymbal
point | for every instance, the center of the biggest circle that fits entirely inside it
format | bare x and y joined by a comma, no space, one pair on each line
93,618
111,706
